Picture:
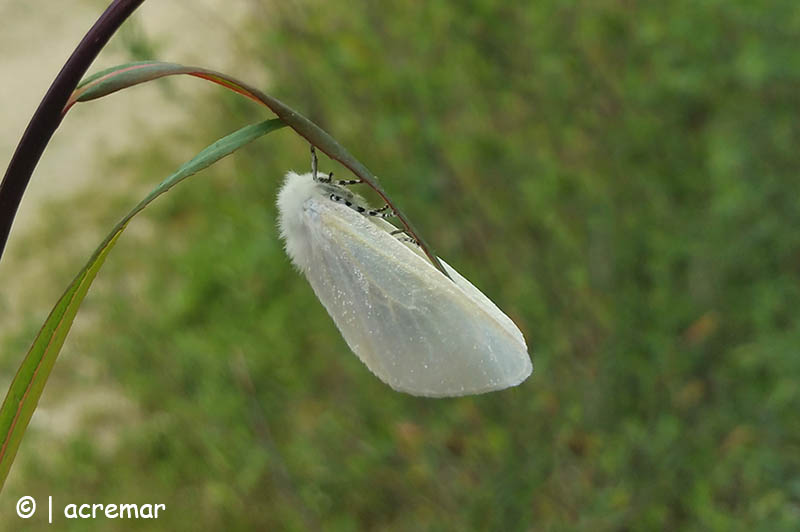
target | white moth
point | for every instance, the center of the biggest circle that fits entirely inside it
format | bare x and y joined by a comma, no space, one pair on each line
418,331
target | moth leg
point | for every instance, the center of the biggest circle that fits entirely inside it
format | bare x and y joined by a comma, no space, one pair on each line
315,174
324,178
405,237
408,239
348,182
381,212
363,210
341,182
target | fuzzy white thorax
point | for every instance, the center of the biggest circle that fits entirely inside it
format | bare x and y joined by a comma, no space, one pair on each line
296,191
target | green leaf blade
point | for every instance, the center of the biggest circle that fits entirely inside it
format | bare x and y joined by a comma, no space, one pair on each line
27,386
122,76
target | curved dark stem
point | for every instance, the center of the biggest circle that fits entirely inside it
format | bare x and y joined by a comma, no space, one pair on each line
48,116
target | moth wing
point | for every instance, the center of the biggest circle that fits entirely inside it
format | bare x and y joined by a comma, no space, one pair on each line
418,331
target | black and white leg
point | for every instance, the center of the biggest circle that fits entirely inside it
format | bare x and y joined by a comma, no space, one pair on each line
324,178
347,182
342,182
405,237
363,210
381,212
408,239
327,178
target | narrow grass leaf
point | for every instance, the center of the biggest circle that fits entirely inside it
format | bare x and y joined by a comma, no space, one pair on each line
119,77
26,388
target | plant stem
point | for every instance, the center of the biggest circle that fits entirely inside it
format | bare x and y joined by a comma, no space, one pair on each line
48,116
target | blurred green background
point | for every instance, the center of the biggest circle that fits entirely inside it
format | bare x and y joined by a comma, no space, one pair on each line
620,177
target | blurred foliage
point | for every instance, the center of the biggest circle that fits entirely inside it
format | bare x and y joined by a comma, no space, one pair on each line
620,177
